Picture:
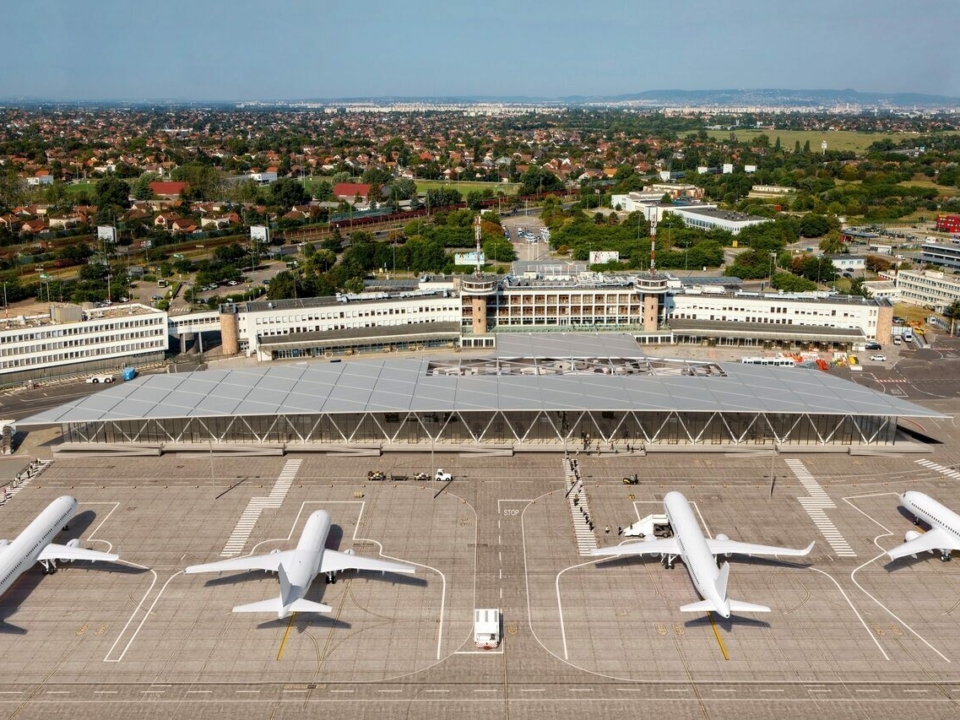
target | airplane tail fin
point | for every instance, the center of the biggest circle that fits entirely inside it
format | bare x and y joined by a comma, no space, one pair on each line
285,587
722,580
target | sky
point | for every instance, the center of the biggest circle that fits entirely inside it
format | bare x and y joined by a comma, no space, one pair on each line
220,50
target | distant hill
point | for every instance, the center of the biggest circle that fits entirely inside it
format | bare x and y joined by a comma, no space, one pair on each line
760,97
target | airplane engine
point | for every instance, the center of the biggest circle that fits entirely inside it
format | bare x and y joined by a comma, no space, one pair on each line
721,536
73,543
4,543
911,535
349,551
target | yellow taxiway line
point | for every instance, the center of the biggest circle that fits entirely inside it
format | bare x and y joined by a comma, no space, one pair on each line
716,631
286,634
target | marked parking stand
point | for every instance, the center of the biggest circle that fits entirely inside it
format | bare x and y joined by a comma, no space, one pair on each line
248,520
815,505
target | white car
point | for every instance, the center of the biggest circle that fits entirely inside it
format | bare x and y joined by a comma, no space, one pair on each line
878,358
100,379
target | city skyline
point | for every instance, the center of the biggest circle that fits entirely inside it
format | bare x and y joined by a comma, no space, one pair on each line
236,52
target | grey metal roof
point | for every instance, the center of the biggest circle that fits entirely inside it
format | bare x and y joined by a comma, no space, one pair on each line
390,385
567,345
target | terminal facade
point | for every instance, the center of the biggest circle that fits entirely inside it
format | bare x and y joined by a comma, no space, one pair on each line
470,311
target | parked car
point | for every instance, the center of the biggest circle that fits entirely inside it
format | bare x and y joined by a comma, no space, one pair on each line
878,358
873,346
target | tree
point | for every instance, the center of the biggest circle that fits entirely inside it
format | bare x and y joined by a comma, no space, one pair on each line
204,181
813,225
537,180
287,192
112,192
788,282
141,188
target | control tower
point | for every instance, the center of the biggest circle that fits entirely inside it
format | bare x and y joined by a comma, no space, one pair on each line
478,287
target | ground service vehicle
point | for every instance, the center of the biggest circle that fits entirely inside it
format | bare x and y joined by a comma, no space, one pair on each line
95,379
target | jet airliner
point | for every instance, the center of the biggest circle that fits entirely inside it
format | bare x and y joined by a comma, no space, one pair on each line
944,533
698,552
35,544
298,567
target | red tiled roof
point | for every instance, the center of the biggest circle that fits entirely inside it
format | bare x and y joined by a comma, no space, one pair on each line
351,190
168,188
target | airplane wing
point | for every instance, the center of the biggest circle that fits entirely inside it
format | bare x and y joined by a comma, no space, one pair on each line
724,547
664,546
935,539
69,552
334,561
270,561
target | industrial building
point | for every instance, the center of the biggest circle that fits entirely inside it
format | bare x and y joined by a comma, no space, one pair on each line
553,392
945,254
928,288
713,315
72,339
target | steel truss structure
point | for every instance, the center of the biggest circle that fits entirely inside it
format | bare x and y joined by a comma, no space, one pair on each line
499,429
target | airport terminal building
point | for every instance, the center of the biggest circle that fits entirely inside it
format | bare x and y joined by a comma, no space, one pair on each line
556,392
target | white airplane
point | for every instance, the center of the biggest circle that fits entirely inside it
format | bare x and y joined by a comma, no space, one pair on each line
697,553
297,568
35,544
944,533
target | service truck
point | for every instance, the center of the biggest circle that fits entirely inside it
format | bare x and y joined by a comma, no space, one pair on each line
486,627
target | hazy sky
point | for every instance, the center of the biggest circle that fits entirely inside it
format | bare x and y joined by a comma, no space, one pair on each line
275,49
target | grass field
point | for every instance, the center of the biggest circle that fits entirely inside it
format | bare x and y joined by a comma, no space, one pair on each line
858,142
72,190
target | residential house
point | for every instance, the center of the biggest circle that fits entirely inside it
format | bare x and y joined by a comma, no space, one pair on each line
33,227
183,225
168,190
40,177
350,191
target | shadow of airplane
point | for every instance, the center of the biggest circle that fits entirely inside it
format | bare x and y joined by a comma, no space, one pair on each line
726,624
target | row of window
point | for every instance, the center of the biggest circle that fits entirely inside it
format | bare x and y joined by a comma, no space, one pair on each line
88,329
776,310
40,360
80,342
355,313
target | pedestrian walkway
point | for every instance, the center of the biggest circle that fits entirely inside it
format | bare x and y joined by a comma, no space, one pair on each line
815,505
579,508
23,479
942,469
248,520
